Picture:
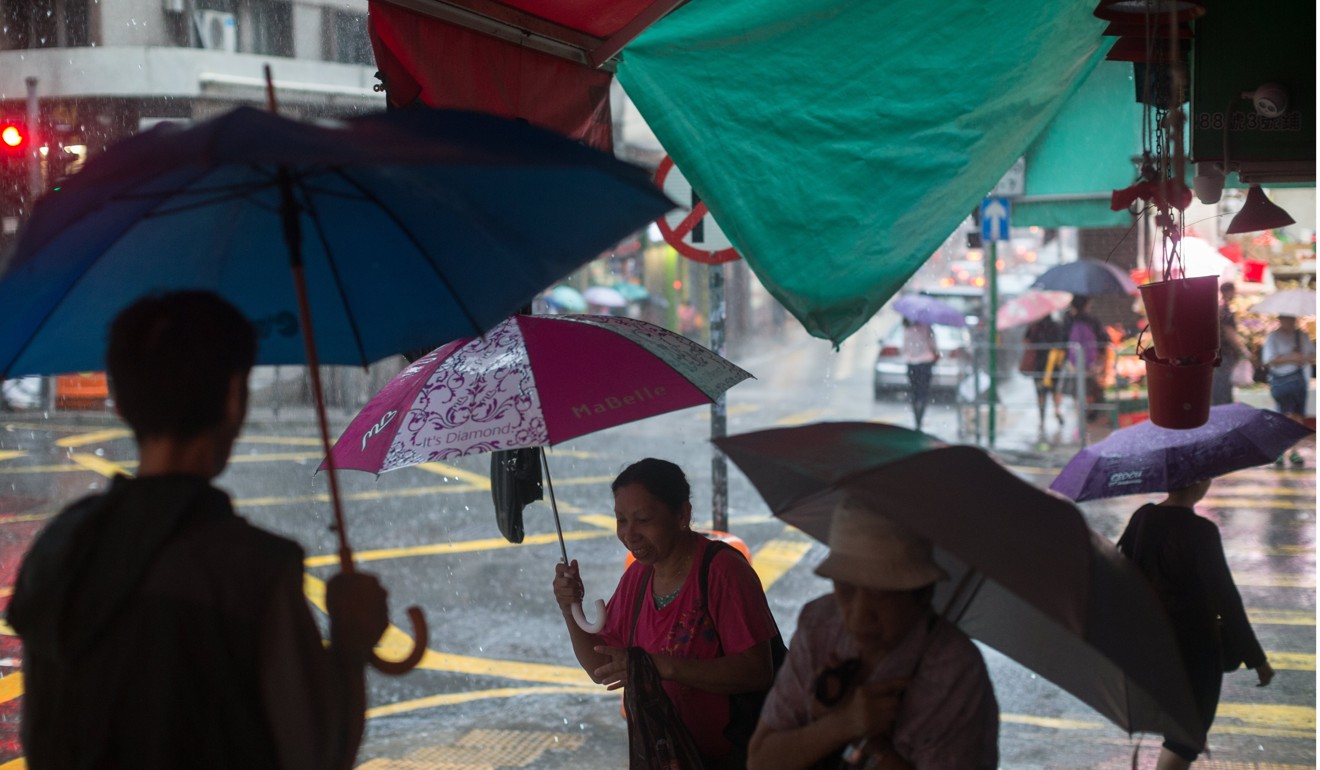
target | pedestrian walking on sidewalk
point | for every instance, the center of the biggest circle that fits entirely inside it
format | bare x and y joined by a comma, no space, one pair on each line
159,629
1181,554
1289,353
1042,362
920,352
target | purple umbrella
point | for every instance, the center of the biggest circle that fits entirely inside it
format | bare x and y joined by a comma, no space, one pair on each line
919,308
1147,458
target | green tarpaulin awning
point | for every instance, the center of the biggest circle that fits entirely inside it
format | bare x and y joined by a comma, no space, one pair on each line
839,143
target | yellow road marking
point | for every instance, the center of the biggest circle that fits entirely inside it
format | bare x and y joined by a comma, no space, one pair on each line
395,645
1247,504
802,417
289,440
1270,617
437,549
1266,720
599,520
66,468
275,457
1051,722
10,454
776,557
99,465
449,699
1292,661
11,686
477,480
95,437
353,496
15,764
1274,581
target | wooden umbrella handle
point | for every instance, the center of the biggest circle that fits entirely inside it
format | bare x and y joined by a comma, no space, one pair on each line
421,637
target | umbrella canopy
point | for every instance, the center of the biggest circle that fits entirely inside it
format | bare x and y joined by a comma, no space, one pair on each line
411,227
531,381
1088,277
1031,305
1294,302
567,298
1147,458
633,292
919,308
605,296
1027,576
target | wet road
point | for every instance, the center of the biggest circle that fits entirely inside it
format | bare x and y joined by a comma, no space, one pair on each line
499,686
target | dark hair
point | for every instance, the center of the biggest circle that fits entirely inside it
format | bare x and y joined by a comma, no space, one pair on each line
1080,301
663,479
1227,287
171,358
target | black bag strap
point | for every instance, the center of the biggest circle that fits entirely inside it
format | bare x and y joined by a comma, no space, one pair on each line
642,588
777,648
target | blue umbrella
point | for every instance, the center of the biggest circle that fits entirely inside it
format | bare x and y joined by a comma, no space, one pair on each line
394,231
919,308
412,227
567,298
1146,458
1087,277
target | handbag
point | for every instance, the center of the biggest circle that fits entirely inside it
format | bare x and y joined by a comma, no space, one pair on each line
657,737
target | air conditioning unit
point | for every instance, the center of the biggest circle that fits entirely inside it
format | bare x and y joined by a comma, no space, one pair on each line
217,30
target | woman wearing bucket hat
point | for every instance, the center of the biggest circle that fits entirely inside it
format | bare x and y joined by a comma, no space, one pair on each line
874,678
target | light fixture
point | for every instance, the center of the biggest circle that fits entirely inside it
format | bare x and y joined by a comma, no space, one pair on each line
1270,100
1258,213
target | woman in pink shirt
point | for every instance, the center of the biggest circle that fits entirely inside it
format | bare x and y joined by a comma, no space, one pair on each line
702,653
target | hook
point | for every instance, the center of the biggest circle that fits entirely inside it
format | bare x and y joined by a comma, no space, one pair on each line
421,637
586,625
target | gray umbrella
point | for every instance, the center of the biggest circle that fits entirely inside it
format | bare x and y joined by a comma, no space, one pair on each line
1027,576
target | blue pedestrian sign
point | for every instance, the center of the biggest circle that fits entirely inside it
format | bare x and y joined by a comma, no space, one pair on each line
994,219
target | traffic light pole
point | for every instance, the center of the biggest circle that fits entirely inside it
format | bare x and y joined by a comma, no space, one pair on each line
33,144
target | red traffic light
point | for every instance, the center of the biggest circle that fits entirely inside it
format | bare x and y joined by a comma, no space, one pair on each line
12,136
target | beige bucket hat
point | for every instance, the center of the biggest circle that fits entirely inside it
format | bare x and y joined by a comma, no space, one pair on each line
870,550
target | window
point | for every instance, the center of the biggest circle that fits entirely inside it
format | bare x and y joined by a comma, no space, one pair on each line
272,28
347,39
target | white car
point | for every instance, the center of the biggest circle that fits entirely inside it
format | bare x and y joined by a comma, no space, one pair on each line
955,363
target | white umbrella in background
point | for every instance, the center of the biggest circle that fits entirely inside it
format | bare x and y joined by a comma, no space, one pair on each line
1293,302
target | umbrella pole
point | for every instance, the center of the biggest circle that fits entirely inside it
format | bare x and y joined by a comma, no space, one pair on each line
550,485
293,237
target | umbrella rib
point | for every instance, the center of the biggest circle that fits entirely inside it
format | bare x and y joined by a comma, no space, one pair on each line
407,233
310,207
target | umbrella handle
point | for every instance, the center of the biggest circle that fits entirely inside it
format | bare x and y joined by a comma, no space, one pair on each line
421,636
584,624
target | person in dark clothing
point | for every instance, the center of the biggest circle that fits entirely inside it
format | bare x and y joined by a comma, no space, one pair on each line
1183,557
1041,364
159,629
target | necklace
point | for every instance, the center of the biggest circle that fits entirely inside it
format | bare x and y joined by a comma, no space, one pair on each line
663,601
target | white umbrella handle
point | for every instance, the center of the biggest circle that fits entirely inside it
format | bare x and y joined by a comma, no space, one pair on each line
591,628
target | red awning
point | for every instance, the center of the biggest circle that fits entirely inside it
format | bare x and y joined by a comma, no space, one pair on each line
543,61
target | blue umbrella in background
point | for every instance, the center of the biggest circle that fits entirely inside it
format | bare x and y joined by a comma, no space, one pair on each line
567,299
920,308
394,231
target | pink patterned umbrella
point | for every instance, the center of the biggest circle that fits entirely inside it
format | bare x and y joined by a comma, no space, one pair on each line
531,381
1030,306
